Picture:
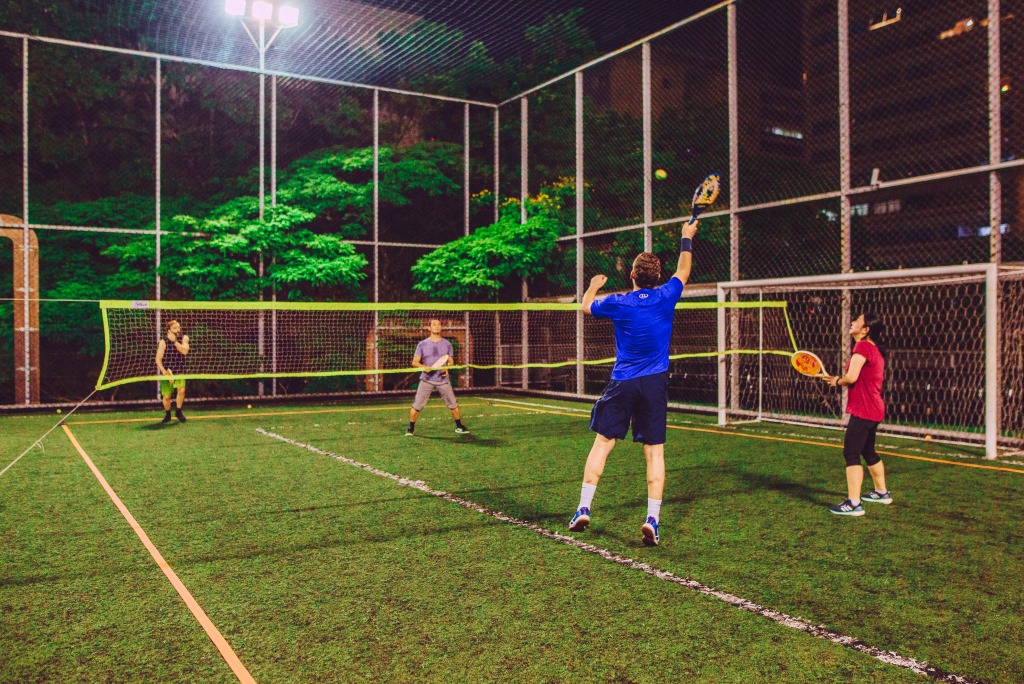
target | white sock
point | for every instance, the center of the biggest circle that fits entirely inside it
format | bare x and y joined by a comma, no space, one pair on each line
654,509
586,495
855,502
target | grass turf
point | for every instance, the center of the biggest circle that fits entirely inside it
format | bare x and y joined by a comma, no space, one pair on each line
317,571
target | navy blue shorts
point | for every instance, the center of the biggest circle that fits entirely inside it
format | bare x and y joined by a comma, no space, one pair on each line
640,403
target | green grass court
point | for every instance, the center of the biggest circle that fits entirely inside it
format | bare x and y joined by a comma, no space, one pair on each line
317,571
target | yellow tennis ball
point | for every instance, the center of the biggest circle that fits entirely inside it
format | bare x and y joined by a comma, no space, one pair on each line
661,174
58,411
248,406
928,437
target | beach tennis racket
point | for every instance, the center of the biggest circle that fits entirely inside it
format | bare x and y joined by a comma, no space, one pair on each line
706,194
808,363
440,363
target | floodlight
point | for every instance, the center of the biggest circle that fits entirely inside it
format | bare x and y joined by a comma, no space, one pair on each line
288,16
262,11
235,7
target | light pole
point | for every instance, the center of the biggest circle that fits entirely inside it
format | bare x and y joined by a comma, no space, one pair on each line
261,14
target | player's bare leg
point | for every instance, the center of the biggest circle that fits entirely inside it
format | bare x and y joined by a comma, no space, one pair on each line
591,476
181,402
655,456
597,458
878,476
854,482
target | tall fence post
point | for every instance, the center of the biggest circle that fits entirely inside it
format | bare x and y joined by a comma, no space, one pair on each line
846,217
26,281
734,199
157,191
580,350
648,145
524,193
377,379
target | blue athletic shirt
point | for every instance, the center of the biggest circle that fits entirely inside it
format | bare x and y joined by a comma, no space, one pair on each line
643,328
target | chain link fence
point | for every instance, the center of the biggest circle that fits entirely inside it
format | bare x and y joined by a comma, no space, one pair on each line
887,141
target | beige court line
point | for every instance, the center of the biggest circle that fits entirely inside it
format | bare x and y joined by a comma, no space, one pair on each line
254,415
794,441
211,630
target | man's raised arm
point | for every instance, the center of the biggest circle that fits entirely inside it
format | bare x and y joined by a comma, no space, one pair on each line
686,251
596,283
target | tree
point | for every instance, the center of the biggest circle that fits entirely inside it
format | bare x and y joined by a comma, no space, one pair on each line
480,264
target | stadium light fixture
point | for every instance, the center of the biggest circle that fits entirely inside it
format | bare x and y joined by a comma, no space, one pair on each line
235,8
262,11
288,16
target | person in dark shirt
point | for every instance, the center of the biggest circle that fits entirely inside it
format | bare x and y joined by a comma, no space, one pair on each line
170,361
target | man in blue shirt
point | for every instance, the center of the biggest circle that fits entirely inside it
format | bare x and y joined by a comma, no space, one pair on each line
637,395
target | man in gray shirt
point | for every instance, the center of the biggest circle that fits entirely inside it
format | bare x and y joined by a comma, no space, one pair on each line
432,354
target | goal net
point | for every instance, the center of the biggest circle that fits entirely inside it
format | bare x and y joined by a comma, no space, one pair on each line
952,359
530,346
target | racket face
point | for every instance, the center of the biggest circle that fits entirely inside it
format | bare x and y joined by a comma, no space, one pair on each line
440,362
707,192
807,363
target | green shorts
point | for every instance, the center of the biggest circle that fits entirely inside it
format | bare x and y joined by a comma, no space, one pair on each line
167,387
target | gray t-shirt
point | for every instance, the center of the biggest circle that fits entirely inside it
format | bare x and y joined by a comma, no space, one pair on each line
429,352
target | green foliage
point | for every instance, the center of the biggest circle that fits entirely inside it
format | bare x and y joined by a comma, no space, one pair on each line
480,264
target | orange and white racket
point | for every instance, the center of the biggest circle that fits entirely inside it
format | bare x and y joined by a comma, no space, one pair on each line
808,363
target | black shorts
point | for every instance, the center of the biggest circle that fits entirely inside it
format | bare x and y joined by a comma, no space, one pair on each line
860,441
640,403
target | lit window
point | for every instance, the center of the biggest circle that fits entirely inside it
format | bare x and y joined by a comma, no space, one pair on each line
786,132
859,210
894,206
881,207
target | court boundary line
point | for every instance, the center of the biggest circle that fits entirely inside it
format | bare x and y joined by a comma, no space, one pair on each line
211,630
257,415
791,440
817,631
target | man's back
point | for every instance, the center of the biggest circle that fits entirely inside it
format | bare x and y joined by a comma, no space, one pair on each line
643,328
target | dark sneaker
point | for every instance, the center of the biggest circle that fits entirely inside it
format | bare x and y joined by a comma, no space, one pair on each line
462,430
167,417
580,521
877,497
410,433
847,508
649,531
180,416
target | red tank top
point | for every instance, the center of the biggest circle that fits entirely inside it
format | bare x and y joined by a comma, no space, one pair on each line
865,397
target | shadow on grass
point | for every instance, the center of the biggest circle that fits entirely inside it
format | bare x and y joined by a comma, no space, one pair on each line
159,425
793,489
467,440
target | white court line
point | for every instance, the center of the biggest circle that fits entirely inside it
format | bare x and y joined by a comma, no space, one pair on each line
549,406
889,657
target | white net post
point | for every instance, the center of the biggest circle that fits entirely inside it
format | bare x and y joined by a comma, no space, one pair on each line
760,357
497,348
721,357
992,389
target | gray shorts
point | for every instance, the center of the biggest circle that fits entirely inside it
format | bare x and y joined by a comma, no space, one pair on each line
427,388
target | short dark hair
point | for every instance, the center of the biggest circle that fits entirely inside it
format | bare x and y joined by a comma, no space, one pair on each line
646,269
